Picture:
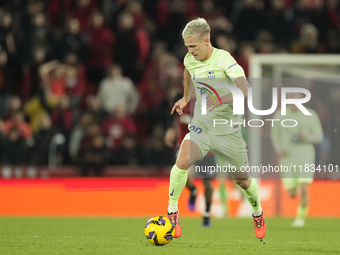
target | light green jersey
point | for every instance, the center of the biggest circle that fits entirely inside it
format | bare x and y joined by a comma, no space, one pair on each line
220,68
286,139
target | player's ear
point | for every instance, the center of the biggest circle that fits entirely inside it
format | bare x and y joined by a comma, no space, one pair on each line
206,41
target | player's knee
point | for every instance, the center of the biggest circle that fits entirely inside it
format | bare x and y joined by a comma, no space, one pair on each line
292,192
304,189
183,162
243,183
207,184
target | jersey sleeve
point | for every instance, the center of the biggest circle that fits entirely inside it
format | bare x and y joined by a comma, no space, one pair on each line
315,133
275,134
187,60
231,68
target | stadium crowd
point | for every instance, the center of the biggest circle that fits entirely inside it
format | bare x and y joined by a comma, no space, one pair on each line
103,72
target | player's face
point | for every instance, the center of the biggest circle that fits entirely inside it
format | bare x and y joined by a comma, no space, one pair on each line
197,46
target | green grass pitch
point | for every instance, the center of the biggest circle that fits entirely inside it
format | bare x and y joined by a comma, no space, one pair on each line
125,236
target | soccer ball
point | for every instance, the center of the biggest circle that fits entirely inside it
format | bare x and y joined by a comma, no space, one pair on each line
159,230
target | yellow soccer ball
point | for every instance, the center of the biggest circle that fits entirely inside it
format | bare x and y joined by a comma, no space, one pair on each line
159,230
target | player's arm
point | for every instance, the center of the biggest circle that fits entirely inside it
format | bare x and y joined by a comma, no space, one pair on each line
236,73
171,123
180,104
275,135
241,83
315,132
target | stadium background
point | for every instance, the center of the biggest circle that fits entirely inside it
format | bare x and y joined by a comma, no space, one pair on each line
64,105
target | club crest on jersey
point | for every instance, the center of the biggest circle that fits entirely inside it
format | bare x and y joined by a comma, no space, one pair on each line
211,74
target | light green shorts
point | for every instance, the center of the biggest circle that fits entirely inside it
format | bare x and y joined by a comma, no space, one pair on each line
294,178
230,149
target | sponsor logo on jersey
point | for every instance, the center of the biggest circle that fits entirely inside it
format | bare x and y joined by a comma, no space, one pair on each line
232,65
204,90
211,74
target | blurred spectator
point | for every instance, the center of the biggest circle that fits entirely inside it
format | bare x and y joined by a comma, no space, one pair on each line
246,51
53,77
9,43
101,45
116,90
207,10
9,106
136,9
226,42
157,154
328,18
17,121
264,43
129,153
31,76
333,41
39,35
308,42
117,126
247,19
72,41
172,16
82,11
62,117
132,47
4,72
7,40
92,152
42,139
300,14
94,156
13,148
275,22
42,103
152,88
75,79
33,8
58,11
214,17
77,134
93,107
163,71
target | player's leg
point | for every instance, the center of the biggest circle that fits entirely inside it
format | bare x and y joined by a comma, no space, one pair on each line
192,188
208,192
232,152
222,188
303,207
295,184
250,190
293,192
189,153
193,192
223,194
292,186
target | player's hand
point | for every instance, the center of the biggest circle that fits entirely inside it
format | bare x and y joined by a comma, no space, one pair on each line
179,105
282,154
170,136
211,104
302,137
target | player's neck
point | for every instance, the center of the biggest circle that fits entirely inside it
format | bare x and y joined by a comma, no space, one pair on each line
210,51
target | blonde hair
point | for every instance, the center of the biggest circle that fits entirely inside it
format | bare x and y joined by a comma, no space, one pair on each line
196,27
